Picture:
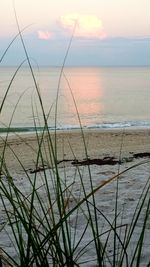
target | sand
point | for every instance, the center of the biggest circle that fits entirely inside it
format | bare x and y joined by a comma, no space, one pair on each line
100,143
109,152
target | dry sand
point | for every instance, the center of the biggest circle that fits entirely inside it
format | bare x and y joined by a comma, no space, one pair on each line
102,145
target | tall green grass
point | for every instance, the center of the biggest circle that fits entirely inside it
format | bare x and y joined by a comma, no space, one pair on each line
38,221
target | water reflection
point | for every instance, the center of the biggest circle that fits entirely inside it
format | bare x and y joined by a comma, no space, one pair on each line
103,95
86,85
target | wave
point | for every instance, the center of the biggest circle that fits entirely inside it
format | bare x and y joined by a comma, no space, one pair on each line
104,125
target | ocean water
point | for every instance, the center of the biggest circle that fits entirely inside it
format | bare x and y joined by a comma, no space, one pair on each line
109,97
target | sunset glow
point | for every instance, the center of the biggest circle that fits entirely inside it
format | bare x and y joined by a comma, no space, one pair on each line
105,33
86,26
92,91
44,35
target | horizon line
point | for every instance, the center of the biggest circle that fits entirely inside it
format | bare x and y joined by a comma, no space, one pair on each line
81,65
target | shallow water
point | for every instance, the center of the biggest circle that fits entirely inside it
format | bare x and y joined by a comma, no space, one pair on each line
105,97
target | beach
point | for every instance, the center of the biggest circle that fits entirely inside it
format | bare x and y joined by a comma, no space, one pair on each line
108,152
74,134
99,143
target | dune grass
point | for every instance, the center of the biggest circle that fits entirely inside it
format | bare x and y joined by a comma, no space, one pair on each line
39,222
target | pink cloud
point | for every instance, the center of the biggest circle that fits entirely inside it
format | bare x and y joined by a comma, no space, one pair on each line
44,35
86,26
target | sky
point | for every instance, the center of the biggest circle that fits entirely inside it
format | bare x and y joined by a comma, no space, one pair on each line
105,32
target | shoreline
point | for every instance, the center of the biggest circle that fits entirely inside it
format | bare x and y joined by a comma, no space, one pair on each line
115,126
78,130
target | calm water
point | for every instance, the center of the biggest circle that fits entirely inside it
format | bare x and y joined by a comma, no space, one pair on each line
105,97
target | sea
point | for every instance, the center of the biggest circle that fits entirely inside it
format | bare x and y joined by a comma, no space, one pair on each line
94,97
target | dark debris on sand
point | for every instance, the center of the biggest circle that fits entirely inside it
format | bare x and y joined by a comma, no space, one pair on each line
98,161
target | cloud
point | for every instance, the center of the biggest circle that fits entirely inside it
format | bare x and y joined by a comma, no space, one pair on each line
116,51
44,35
86,26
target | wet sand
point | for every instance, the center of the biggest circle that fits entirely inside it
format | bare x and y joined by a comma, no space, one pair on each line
99,144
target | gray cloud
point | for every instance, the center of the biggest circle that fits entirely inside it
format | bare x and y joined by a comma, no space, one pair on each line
115,51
